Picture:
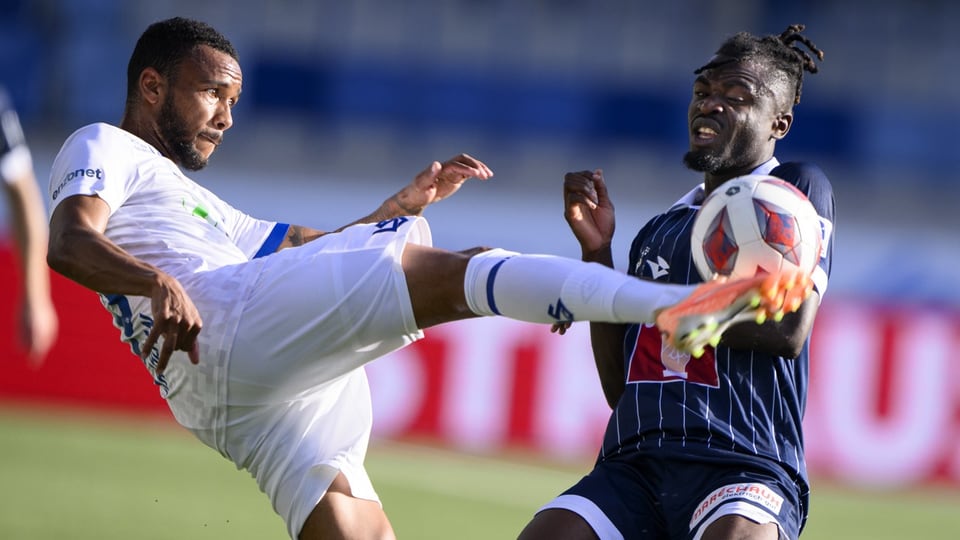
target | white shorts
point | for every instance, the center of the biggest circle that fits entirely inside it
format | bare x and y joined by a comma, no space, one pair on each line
290,401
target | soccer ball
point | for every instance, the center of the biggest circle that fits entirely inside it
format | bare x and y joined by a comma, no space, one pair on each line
753,224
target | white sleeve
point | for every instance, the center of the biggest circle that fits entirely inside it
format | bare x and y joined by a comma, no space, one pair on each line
89,163
250,234
253,235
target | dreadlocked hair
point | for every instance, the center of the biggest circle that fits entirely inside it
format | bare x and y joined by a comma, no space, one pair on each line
778,52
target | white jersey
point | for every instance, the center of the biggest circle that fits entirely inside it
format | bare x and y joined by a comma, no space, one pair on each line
280,388
191,229
157,215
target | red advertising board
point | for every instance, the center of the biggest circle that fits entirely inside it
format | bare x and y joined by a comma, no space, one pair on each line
883,407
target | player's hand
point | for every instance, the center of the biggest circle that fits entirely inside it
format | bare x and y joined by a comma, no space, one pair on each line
439,181
588,209
176,319
38,329
560,328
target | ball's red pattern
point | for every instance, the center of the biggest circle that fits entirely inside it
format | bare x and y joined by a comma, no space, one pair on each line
779,229
719,245
754,224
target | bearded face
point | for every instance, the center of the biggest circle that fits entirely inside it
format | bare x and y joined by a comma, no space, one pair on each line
181,142
703,160
732,120
734,154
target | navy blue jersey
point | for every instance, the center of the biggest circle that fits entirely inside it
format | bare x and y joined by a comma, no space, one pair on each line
728,404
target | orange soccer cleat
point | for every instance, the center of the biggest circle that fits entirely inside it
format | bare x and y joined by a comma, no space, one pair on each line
701,318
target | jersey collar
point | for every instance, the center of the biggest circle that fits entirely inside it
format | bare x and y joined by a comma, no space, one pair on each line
695,196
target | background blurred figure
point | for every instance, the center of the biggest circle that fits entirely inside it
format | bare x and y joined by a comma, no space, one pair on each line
38,319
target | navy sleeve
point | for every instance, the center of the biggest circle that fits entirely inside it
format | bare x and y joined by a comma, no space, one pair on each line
813,182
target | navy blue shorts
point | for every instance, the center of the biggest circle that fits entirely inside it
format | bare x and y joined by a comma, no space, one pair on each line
677,498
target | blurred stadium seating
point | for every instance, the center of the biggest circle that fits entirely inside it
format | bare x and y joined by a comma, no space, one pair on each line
371,89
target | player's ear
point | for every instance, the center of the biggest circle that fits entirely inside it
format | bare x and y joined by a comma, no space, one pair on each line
152,86
781,124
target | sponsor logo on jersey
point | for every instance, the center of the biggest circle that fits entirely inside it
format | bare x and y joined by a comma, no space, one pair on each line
70,176
758,494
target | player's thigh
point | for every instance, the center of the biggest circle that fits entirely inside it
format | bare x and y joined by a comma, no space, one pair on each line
314,314
435,280
738,498
616,500
557,524
340,516
735,527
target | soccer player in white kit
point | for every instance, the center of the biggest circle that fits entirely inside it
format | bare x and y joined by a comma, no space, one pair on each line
258,349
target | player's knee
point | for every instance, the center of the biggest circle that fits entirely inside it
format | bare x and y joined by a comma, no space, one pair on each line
435,283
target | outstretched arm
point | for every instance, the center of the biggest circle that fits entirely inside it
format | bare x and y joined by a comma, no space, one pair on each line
435,183
80,251
590,214
784,338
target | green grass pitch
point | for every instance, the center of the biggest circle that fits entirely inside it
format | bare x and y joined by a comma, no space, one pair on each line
83,477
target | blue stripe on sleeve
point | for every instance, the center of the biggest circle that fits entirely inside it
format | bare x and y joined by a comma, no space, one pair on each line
274,240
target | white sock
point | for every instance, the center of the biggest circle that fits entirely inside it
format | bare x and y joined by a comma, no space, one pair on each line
548,289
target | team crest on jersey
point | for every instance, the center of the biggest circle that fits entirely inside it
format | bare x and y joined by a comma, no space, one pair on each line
390,225
655,361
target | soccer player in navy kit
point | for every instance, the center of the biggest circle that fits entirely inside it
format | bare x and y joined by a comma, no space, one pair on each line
709,447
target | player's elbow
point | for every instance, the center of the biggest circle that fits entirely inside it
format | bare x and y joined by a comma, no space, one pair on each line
56,259
612,391
799,328
792,347
60,252
785,338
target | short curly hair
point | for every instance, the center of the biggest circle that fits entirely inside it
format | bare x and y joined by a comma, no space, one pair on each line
164,44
